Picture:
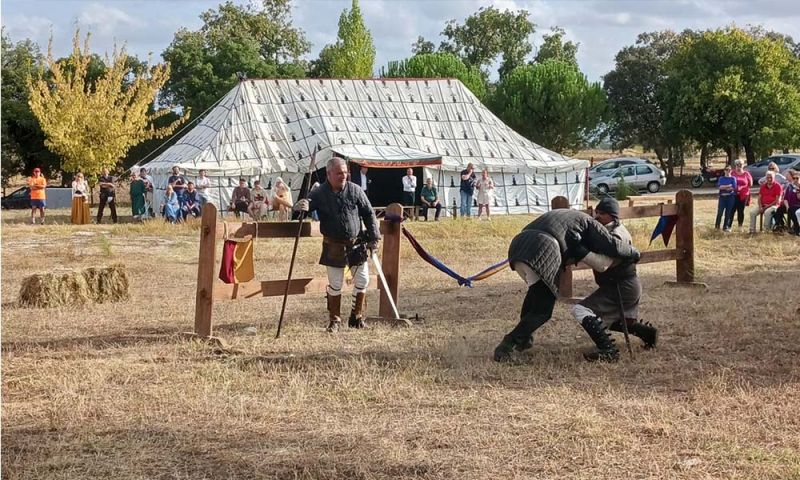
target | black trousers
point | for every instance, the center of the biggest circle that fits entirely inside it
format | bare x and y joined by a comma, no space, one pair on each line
112,205
738,207
537,308
425,208
408,199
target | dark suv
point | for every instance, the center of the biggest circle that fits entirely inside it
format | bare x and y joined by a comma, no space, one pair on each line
20,198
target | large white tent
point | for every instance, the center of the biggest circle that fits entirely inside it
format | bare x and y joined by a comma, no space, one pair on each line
270,128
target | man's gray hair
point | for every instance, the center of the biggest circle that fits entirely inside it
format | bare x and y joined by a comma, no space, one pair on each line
333,162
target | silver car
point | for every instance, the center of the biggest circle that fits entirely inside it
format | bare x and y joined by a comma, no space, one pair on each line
784,162
606,166
639,176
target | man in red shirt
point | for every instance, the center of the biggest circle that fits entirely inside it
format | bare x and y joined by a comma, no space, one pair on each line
769,197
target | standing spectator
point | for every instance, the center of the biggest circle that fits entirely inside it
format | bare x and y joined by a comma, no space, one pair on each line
727,198
107,196
779,178
37,184
409,187
791,204
743,183
430,199
240,200
282,200
80,208
148,192
203,185
260,206
467,189
485,188
191,202
178,183
138,190
171,207
361,178
769,197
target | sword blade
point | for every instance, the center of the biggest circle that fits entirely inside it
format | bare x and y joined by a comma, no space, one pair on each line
385,284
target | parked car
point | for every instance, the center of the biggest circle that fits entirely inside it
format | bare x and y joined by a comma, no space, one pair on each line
606,166
57,197
639,176
784,162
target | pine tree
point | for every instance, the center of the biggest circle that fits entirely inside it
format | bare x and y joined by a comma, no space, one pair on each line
93,124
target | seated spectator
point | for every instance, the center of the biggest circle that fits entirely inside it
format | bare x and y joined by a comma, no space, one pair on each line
282,200
240,199
170,206
430,199
790,206
260,205
773,167
191,202
769,197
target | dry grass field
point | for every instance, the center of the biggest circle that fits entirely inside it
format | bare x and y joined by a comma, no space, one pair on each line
115,390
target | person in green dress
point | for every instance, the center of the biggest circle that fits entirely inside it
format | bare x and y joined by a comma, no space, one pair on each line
138,190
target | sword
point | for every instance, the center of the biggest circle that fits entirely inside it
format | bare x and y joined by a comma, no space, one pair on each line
385,284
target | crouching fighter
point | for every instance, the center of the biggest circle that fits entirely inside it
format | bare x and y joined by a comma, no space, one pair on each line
538,254
617,283
341,207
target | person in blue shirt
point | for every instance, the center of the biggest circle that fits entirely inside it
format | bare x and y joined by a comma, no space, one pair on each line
727,197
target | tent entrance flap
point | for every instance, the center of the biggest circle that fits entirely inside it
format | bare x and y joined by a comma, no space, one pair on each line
386,156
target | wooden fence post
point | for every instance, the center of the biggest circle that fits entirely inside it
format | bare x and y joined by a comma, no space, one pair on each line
391,259
204,300
565,279
684,237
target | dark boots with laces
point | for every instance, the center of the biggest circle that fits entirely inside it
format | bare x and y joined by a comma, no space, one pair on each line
607,350
356,319
644,330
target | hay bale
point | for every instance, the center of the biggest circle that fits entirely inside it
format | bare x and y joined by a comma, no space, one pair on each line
98,285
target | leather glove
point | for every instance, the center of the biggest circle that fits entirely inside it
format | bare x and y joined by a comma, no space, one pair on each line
302,205
372,246
575,249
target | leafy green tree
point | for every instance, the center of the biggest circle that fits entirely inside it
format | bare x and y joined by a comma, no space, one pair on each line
487,34
554,47
92,125
634,89
353,55
257,40
552,104
438,65
23,145
322,67
422,46
729,86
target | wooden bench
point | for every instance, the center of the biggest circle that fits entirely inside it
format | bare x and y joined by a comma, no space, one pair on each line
633,199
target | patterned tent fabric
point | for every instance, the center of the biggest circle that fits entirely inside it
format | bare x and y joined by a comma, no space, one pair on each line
265,128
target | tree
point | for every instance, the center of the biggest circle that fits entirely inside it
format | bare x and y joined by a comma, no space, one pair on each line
23,145
258,41
438,65
353,55
322,67
487,34
422,46
634,89
554,47
93,125
552,104
733,88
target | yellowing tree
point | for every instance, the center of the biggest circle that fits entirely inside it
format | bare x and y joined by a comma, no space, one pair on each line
93,124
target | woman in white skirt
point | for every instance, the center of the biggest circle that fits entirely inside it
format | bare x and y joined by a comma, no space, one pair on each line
485,188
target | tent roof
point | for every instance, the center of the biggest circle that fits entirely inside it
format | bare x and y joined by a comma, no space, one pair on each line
264,126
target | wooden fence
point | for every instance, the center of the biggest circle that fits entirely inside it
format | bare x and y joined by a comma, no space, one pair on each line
211,289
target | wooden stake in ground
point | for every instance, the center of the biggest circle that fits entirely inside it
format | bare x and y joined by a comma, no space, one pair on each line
307,184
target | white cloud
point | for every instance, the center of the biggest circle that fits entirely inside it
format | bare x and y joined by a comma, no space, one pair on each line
107,20
21,26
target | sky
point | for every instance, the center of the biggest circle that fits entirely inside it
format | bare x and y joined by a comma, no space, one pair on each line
602,27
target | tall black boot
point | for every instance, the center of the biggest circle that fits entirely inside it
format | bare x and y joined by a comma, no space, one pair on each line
644,330
607,350
356,319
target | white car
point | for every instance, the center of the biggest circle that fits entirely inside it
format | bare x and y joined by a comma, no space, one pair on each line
641,176
607,166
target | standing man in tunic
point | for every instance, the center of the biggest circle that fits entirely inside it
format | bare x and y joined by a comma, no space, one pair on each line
342,207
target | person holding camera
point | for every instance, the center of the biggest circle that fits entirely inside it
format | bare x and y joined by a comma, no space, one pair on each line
107,196
341,207
539,254
467,189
